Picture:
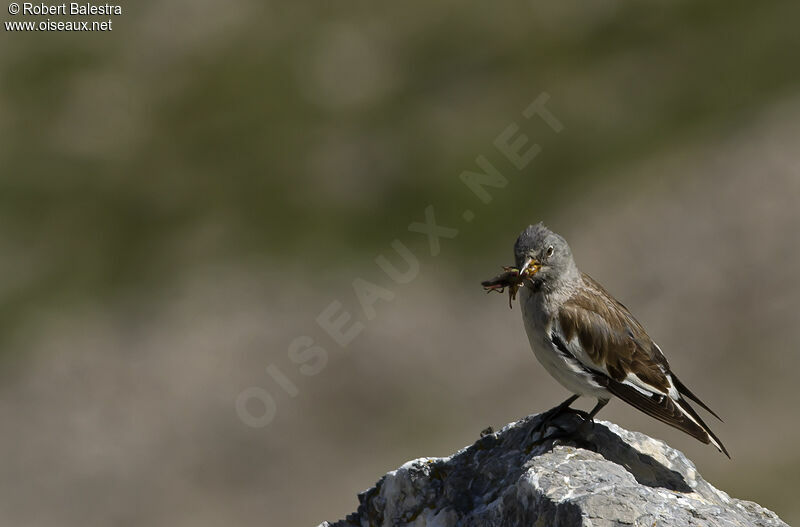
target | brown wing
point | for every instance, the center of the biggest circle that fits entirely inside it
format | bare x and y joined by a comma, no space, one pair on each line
624,359
612,337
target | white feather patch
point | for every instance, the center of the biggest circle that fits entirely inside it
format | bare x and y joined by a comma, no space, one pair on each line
634,381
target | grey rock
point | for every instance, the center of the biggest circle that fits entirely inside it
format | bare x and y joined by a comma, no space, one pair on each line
568,473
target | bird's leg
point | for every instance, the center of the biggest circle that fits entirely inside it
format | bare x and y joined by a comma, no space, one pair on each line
563,406
588,425
552,413
599,406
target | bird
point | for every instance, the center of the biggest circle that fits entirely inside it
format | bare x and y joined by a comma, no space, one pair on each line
592,344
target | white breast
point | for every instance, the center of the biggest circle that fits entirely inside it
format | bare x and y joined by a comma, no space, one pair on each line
538,325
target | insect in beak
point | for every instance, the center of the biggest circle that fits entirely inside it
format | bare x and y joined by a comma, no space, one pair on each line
530,268
512,278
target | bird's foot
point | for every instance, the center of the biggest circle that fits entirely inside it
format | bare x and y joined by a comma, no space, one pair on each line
559,428
551,427
547,417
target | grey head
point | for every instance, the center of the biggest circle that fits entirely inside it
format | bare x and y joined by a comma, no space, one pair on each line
545,256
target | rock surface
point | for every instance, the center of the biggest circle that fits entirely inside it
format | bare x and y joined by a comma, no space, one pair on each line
572,473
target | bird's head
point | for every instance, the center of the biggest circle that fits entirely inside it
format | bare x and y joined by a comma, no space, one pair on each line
543,255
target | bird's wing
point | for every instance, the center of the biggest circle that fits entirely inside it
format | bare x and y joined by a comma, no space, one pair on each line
603,336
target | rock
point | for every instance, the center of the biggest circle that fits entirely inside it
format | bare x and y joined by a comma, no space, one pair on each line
571,474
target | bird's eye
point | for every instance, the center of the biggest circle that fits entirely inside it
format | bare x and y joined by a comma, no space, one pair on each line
550,251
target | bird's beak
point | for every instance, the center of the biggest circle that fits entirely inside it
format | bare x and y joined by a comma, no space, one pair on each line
530,268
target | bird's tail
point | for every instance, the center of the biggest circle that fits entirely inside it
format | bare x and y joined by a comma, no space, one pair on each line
674,412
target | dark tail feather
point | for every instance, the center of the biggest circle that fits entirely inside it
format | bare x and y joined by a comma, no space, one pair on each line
686,392
667,410
714,439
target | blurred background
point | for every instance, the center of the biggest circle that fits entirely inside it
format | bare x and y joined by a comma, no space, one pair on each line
181,197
